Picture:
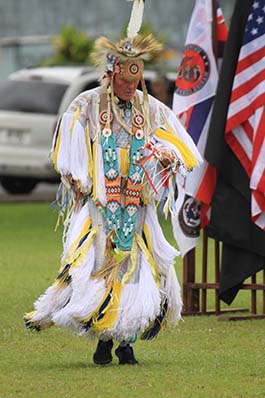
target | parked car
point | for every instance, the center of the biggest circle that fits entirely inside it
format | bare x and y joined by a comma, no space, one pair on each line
31,101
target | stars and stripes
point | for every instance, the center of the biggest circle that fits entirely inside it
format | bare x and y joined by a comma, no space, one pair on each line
245,127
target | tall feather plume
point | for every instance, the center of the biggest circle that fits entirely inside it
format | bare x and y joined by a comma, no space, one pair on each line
136,18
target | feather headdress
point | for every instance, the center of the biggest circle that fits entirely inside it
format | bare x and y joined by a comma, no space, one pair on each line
127,57
134,47
140,47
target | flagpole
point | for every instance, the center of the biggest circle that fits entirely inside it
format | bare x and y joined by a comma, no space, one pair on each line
214,28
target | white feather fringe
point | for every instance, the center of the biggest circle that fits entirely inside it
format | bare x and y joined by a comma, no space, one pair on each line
140,302
86,295
54,298
72,154
78,219
173,293
164,255
63,158
79,157
100,178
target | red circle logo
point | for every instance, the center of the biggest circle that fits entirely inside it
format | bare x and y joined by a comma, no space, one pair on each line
194,70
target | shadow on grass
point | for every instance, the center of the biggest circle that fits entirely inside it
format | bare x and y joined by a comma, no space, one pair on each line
37,367
61,366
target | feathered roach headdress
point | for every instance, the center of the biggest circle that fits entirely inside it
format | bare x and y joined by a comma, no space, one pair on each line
127,56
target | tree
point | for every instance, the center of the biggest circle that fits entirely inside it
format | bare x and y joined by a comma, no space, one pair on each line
72,47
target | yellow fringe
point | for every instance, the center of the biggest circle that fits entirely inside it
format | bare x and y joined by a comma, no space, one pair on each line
37,324
76,116
56,150
149,258
133,257
111,311
189,159
138,241
94,177
89,153
148,237
76,256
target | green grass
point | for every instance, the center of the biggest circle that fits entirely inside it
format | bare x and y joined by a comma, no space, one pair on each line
201,357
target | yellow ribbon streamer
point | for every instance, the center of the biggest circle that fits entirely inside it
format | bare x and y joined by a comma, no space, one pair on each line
89,153
111,310
56,149
189,159
133,257
76,255
76,116
149,258
95,167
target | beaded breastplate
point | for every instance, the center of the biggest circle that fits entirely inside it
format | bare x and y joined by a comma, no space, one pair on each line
121,220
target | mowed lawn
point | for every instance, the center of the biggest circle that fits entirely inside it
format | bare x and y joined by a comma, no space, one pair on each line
201,357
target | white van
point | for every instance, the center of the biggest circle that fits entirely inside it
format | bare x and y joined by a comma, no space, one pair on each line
31,101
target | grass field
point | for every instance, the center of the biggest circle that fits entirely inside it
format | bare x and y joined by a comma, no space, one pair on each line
201,357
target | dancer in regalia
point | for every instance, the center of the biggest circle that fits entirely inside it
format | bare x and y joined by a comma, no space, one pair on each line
120,154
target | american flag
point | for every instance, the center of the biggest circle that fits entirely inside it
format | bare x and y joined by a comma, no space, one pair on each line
193,105
245,127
